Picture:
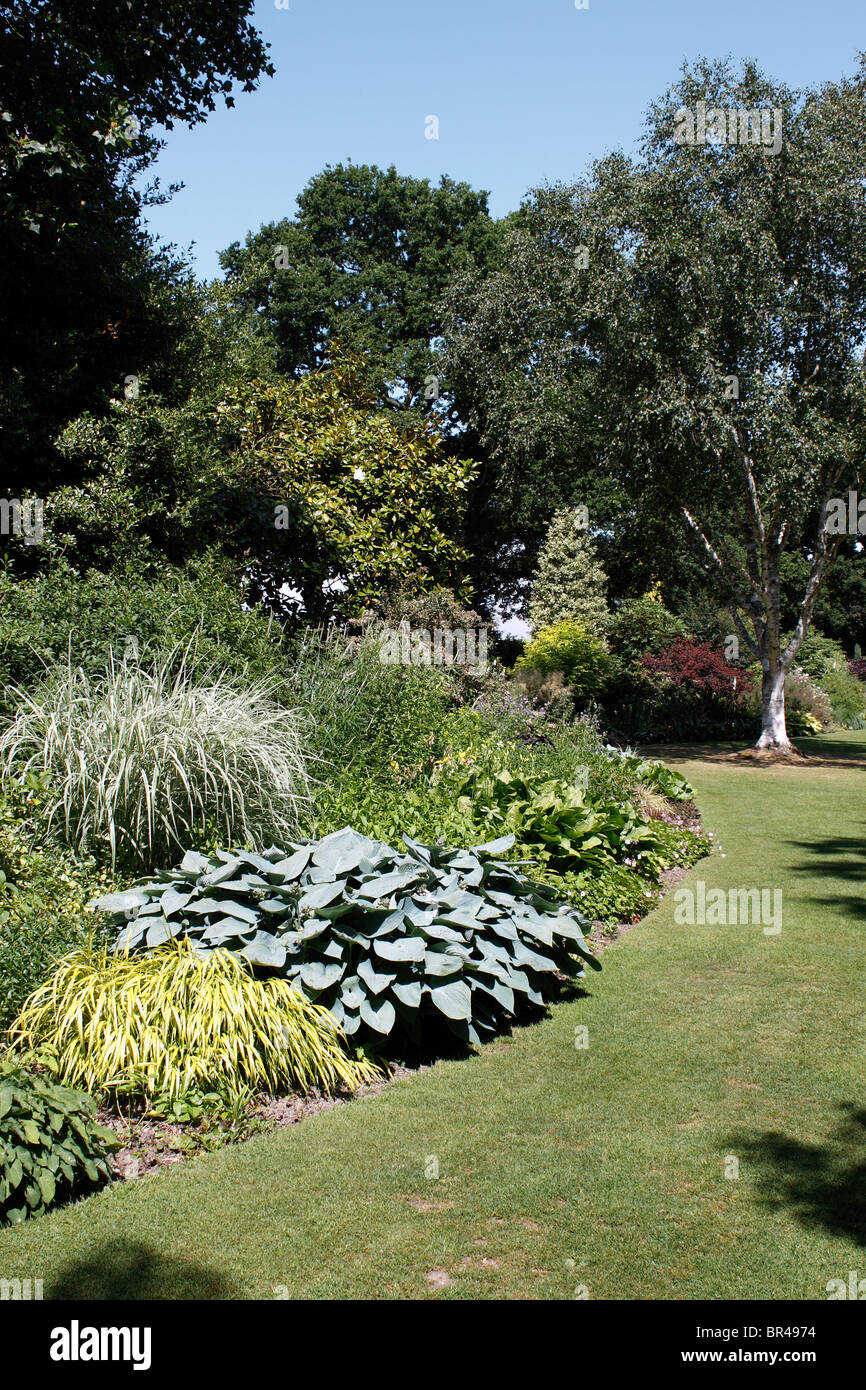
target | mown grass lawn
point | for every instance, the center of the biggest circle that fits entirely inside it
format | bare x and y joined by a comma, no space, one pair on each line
562,1166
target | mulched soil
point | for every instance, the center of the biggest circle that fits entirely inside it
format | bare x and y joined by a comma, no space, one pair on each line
150,1144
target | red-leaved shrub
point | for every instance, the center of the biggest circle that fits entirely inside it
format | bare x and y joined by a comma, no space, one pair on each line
858,667
697,665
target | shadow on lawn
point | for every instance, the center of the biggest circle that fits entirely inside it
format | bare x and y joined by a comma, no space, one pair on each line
819,753
823,1184
840,856
128,1270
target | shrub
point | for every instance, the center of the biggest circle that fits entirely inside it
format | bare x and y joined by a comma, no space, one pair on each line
641,627
559,824
51,1147
805,702
362,713
169,1022
44,897
386,940
95,615
569,583
569,648
857,667
145,757
824,660
700,668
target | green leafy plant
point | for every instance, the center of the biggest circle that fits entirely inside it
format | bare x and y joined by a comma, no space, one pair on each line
566,646
642,626
383,939
45,892
51,1147
558,822
569,583
144,607
147,756
167,1022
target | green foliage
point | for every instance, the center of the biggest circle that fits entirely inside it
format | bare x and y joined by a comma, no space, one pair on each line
365,716
824,660
45,893
642,625
384,939
51,1147
148,755
87,91
556,822
612,894
145,608
569,583
364,268
168,1022
324,489
567,646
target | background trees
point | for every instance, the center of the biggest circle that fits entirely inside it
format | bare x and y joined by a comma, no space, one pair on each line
687,324
85,90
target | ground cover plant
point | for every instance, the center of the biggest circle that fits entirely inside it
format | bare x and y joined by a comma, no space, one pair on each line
387,940
51,1146
167,1023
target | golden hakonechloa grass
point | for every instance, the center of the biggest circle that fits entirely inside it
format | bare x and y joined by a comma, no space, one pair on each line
166,1022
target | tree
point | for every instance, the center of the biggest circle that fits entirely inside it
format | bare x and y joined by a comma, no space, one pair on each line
364,267
85,89
691,328
570,583
325,496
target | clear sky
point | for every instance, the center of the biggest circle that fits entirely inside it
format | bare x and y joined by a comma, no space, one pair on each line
525,91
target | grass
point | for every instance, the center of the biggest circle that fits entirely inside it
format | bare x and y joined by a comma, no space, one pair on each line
559,1166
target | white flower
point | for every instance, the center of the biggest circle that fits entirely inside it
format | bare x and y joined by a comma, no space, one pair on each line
359,475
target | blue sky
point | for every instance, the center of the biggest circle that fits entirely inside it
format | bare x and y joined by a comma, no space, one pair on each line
525,91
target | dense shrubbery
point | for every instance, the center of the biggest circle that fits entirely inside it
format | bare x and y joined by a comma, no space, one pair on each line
51,1147
858,667
44,895
139,610
568,647
824,660
643,626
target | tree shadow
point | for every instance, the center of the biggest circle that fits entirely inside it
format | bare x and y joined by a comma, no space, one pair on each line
129,1270
841,856
823,1184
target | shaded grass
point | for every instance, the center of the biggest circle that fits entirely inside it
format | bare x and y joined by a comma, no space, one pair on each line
562,1166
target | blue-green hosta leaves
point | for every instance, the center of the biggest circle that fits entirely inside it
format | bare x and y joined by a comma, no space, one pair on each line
384,938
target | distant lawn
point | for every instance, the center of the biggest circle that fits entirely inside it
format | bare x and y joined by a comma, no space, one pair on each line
562,1166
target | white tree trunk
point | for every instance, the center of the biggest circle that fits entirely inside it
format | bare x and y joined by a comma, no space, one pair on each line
773,731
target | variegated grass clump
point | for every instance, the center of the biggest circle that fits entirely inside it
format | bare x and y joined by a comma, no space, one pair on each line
167,1022
148,758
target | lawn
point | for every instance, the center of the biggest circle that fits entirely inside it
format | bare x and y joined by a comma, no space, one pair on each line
559,1166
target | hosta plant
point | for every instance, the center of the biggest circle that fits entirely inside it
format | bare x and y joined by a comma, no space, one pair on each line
556,821
384,939
167,1022
51,1147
